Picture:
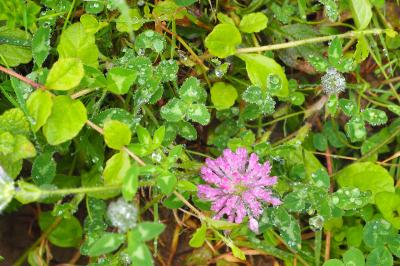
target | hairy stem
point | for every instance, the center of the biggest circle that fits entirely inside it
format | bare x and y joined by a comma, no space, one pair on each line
349,34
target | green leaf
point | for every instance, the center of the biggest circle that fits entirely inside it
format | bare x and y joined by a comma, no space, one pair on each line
90,23
199,237
107,243
353,257
39,106
224,19
348,107
198,113
140,254
374,116
27,192
65,74
259,67
318,62
10,51
168,10
119,114
185,2
333,262
116,134
377,232
255,95
146,231
223,95
130,183
158,137
350,198
94,6
320,142
362,50
75,42
297,98
166,181
120,80
187,130
331,9
379,257
130,21
366,176
7,142
288,227
355,129
172,202
143,135
253,22
191,91
41,45
68,233
23,148
362,12
66,120
173,111
150,40
186,186
354,235
388,204
237,252
167,70
335,52
14,121
394,245
116,169
44,169
223,39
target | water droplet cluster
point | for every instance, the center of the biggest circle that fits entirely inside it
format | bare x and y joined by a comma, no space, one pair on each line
122,215
333,82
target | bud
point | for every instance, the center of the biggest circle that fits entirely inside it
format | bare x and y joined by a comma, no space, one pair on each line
333,82
122,215
7,189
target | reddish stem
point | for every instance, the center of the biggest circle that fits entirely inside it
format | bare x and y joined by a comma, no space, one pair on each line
20,77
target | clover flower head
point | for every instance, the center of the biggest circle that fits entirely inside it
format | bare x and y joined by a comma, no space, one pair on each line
122,215
238,185
333,82
7,189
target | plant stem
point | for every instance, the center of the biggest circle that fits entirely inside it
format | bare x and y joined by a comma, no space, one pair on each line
67,191
45,234
20,77
69,14
317,248
349,34
377,147
188,48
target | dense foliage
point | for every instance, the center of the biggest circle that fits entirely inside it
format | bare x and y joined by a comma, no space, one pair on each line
112,113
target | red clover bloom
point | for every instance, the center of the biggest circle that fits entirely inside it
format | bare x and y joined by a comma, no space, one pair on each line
237,186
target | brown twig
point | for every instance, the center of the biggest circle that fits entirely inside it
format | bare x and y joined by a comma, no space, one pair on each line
174,244
188,48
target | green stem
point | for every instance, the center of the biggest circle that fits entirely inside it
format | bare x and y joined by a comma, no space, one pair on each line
69,14
377,147
349,34
45,234
67,191
278,119
317,248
